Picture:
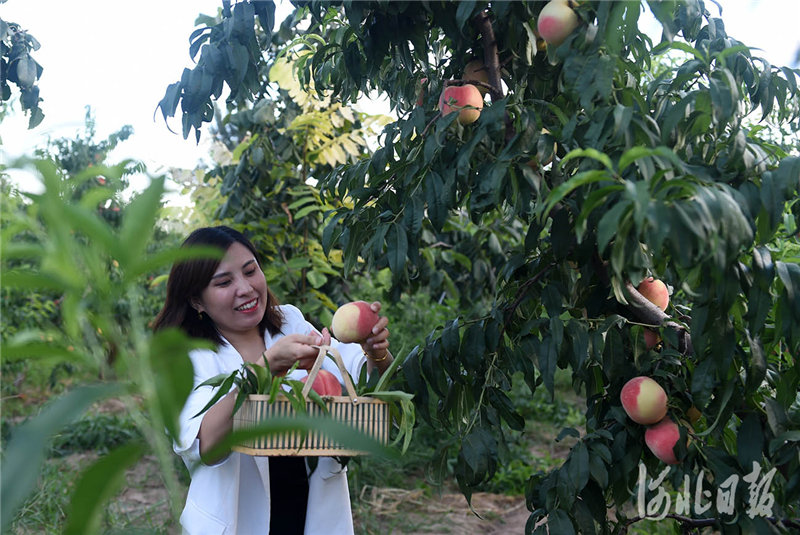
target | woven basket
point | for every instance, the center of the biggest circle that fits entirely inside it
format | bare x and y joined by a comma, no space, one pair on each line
364,414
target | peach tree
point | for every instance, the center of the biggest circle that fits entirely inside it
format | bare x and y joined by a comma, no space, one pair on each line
18,67
611,157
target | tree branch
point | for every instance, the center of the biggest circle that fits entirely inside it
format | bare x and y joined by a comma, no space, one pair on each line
491,56
705,522
484,85
491,62
521,295
646,311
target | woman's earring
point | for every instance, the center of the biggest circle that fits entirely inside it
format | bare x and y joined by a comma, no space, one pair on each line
200,316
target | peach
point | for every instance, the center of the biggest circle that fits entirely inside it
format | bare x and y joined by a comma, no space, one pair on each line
661,440
655,291
475,70
644,400
457,98
651,338
556,21
353,322
325,384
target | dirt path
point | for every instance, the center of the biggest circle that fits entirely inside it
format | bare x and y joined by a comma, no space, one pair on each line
143,504
388,510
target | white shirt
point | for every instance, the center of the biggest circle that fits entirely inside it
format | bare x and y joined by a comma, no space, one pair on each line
232,497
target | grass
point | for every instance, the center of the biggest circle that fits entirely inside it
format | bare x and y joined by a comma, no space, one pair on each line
141,506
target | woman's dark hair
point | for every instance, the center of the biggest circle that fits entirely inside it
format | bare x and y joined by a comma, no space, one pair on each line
188,279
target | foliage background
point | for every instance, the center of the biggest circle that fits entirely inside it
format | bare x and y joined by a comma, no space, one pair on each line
661,169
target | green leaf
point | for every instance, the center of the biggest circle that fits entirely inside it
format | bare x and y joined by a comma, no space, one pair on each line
548,357
28,280
613,354
222,390
595,199
790,277
464,14
473,346
594,154
570,185
96,229
598,470
397,249
413,214
168,257
306,210
173,372
758,366
437,211
97,484
785,438
610,223
568,431
139,221
558,522
328,232
500,401
44,352
674,116
750,442
25,452
633,154
679,45
579,338
579,465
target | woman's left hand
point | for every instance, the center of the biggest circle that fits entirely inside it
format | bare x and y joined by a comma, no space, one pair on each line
377,345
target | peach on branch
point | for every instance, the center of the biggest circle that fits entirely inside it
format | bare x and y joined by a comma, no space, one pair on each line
353,322
465,99
556,21
661,440
325,384
476,70
644,400
655,291
651,338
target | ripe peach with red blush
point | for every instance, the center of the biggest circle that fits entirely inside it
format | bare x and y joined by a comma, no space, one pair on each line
655,291
661,440
476,70
465,99
353,322
644,400
325,384
651,338
556,21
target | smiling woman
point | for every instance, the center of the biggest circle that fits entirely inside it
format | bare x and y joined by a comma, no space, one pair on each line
228,302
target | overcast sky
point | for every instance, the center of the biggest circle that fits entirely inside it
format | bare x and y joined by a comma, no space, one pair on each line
119,57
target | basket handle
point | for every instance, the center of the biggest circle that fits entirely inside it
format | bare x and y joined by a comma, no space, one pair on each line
312,374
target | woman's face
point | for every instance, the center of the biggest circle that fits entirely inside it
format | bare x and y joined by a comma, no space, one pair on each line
236,297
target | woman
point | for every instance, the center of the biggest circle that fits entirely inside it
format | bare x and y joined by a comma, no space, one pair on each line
228,302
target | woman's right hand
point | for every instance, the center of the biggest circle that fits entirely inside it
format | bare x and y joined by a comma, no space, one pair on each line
292,348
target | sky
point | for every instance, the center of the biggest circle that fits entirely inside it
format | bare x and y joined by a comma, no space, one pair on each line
119,57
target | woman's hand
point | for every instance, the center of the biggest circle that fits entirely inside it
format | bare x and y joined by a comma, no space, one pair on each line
377,345
295,347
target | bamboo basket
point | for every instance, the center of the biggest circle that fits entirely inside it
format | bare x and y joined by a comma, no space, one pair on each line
364,414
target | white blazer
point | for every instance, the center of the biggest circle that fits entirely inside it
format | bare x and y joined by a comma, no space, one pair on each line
232,496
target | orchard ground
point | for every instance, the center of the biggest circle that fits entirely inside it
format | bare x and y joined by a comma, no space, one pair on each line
392,497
